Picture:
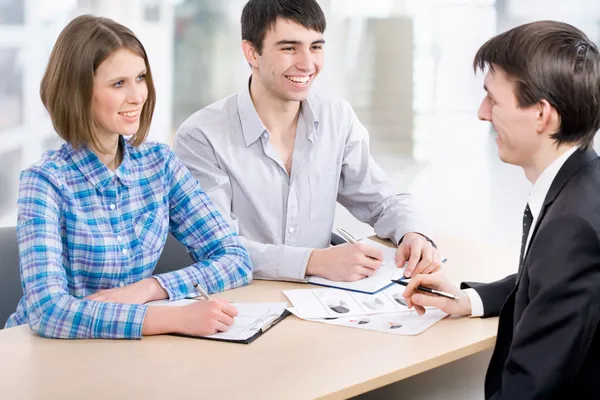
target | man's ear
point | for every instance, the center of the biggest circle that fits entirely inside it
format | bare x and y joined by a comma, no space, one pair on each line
250,53
547,117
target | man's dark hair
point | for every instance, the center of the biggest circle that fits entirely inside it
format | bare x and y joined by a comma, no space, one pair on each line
552,61
259,16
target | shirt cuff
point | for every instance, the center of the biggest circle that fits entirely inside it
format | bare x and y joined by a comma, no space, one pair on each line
289,266
476,303
177,284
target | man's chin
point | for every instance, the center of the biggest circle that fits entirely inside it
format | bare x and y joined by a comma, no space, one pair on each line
506,158
297,96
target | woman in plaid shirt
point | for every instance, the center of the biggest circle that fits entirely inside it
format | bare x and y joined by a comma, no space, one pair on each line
94,215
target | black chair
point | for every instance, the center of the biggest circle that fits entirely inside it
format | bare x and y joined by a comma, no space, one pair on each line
173,257
10,280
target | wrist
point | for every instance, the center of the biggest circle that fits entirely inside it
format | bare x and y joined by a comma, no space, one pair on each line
313,262
160,320
155,290
465,301
417,234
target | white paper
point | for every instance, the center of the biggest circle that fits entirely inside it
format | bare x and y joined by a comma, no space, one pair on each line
374,283
400,323
333,303
251,318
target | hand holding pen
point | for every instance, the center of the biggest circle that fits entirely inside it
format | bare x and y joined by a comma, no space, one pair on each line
348,262
426,291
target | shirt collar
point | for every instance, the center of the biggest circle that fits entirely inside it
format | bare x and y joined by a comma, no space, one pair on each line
542,184
252,126
98,174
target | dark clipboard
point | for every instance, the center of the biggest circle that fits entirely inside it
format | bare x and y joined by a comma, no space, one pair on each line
251,339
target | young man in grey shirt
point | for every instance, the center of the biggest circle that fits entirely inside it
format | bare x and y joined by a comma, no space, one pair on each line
275,159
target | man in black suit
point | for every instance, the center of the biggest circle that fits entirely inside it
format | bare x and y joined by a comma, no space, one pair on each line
543,100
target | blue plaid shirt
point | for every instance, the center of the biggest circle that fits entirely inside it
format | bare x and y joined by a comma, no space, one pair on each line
83,228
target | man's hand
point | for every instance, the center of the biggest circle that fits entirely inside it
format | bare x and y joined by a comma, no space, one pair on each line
137,293
422,257
345,263
419,300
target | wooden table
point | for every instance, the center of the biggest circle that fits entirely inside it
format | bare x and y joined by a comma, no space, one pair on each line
294,360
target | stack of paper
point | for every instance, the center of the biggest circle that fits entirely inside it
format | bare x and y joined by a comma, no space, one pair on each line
385,311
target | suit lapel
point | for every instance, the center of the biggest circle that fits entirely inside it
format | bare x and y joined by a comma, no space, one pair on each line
576,162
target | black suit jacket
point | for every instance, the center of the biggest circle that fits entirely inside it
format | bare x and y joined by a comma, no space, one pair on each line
548,344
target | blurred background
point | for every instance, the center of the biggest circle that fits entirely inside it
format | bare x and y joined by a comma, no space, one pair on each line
405,65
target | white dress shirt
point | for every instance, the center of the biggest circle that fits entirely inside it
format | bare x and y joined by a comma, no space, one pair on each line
536,201
281,218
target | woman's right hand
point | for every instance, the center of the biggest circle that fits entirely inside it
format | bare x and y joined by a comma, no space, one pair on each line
206,317
201,318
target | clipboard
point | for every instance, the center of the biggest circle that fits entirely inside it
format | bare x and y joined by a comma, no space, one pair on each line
253,320
251,339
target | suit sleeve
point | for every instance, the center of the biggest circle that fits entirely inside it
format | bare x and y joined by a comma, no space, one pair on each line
557,327
493,295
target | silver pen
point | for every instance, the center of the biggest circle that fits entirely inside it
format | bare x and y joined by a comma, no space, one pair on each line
202,291
346,235
350,239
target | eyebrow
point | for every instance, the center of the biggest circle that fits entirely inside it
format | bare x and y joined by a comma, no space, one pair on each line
296,42
122,78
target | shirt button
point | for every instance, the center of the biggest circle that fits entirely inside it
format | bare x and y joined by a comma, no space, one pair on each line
124,251
121,284
112,206
119,238
291,230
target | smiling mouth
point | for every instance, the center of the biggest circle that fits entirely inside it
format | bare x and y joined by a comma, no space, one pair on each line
299,80
130,114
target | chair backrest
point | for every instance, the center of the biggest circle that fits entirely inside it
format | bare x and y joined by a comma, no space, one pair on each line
10,280
174,256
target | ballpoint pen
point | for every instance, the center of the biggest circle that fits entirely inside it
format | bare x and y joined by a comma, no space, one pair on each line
428,290
346,235
350,239
202,291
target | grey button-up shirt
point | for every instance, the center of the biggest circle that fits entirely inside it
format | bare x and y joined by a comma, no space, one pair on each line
281,218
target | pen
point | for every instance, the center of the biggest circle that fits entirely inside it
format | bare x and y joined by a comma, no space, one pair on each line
350,239
428,290
202,291
346,235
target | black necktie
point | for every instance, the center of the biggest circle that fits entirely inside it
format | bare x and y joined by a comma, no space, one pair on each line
527,220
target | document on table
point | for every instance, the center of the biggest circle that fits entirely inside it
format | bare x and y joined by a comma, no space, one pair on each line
375,283
385,311
333,303
399,323
253,319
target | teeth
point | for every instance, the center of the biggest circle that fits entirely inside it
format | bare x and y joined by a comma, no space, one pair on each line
299,79
130,114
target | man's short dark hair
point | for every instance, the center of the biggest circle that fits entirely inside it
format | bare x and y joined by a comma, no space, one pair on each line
259,16
552,61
